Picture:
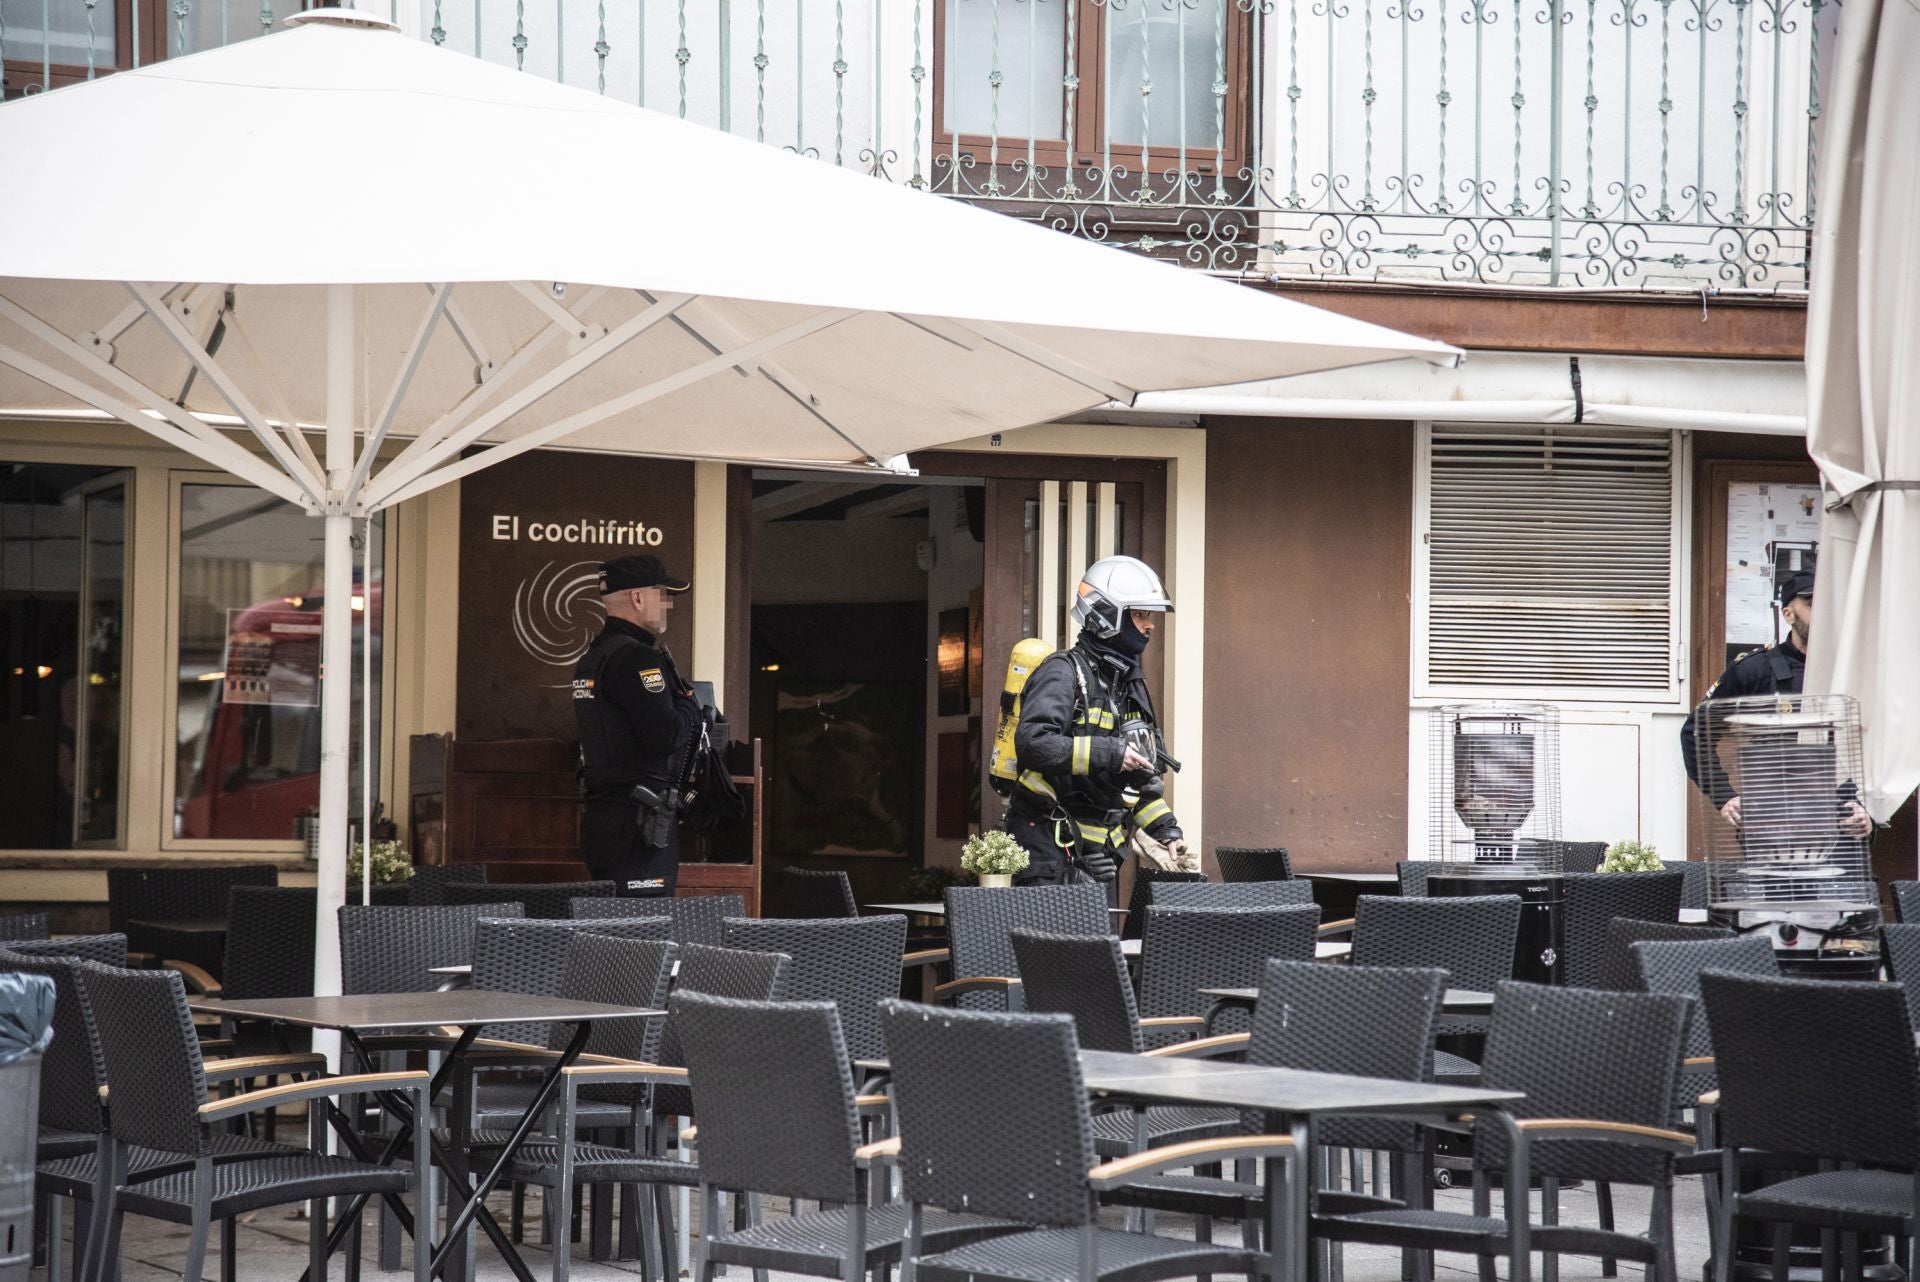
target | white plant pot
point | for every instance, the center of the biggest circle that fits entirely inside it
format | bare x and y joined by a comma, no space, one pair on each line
995,878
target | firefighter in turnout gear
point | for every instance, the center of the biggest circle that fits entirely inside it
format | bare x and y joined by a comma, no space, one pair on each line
639,722
1089,752
1772,669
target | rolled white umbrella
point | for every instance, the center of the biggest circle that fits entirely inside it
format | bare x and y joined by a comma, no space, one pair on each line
549,267
1863,428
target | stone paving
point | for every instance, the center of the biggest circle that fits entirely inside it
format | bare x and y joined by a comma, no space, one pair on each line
272,1246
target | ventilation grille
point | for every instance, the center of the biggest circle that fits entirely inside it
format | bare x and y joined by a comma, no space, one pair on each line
1551,559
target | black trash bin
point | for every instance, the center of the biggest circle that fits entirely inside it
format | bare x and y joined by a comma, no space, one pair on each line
26,1026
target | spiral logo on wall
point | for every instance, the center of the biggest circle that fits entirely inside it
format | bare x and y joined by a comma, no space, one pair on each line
557,612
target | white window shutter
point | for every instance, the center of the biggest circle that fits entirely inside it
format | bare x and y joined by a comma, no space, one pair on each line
1551,559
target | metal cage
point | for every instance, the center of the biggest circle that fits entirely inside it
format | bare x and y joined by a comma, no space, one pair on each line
1792,860
1493,773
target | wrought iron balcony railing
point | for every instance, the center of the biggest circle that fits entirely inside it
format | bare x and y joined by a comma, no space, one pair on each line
1637,144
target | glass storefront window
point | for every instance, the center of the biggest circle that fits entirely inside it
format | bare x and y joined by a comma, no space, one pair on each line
247,728
62,590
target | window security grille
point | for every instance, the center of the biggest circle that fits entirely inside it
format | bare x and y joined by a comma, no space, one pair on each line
1550,559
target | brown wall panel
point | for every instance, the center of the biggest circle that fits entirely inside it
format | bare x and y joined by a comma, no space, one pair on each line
1309,629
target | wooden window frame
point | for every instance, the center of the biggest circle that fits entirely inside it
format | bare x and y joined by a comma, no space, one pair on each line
1091,23
152,47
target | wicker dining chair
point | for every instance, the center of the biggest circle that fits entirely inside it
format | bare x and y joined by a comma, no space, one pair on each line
168,894
1187,949
551,900
1593,900
1233,894
1694,892
697,919
980,924
817,892
1900,941
1411,876
394,950
1781,1096
428,885
1618,970
159,1101
23,927
1085,977
802,1142
1906,901
852,962
1470,937
1144,881
1253,863
967,1144
529,955
1574,1123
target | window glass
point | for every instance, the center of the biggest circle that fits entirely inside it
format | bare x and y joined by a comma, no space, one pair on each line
213,24
1175,53
57,32
62,529
247,761
1021,42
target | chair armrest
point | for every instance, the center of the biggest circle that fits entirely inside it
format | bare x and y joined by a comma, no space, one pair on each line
320,1088
1203,1047
229,1070
879,1153
1711,1099
1696,1061
925,957
198,981
1174,1157
1341,927
1174,1021
871,1104
1553,1128
621,1072
977,983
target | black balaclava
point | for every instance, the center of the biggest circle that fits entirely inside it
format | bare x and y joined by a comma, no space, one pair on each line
1131,642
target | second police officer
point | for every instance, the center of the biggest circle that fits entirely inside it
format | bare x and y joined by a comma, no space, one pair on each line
1088,745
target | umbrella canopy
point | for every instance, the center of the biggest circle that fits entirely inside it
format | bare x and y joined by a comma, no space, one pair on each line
1864,395
549,266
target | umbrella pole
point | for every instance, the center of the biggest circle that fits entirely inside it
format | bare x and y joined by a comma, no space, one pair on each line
336,689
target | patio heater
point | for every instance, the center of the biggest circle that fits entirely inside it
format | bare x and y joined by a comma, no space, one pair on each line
1494,818
1789,870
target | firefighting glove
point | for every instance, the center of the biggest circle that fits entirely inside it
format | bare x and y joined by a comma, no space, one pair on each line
1097,863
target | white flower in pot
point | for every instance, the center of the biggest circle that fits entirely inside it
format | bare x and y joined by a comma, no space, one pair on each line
993,857
1631,856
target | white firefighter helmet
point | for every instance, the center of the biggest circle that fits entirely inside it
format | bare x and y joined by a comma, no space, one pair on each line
1112,586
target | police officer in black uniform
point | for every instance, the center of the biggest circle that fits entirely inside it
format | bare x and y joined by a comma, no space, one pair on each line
1772,669
638,722
1088,746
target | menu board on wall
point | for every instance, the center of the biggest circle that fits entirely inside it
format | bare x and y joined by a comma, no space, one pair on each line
1772,530
533,532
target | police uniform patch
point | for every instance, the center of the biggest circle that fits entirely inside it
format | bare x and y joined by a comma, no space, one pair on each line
653,681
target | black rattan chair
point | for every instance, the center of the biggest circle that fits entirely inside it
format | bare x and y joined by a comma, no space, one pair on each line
1901,943
23,927
1187,949
1619,972
1253,863
967,1144
715,972
1085,977
980,924
817,892
1411,874
394,950
428,885
801,1142
1906,901
1234,894
1780,1095
1576,1123
549,900
160,1102
170,894
1694,894
1304,1019
1470,937
1144,880
697,919
530,955
1594,899
852,962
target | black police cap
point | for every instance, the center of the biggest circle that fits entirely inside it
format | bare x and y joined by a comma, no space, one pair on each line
1797,584
637,572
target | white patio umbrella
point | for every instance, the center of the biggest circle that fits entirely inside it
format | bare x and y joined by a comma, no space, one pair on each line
548,266
1863,375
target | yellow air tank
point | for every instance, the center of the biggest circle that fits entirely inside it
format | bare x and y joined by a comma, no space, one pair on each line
1026,656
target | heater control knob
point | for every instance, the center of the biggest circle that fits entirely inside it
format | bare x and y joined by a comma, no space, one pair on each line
1789,934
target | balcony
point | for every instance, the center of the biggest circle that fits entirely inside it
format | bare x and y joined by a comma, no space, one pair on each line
1652,145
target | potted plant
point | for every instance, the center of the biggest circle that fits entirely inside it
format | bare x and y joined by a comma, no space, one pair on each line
993,857
1631,856
391,862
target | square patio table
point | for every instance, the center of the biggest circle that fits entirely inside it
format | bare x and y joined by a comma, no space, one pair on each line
470,1011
